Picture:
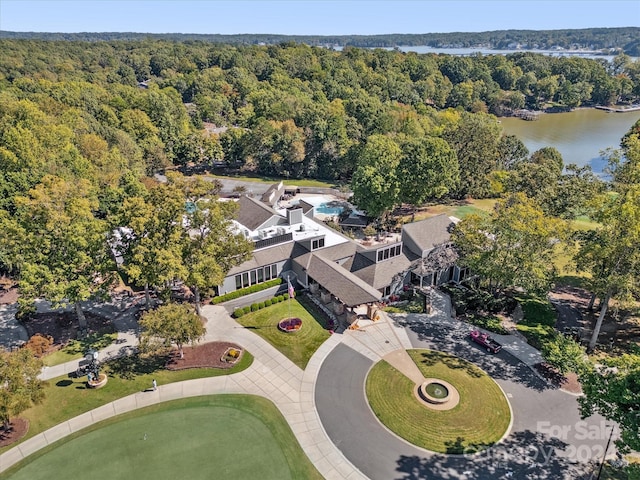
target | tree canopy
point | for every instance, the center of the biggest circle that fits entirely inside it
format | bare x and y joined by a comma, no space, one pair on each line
19,383
511,247
172,323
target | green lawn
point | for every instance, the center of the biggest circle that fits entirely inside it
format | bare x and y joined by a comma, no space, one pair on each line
539,319
479,420
77,348
222,436
299,346
458,209
302,182
66,398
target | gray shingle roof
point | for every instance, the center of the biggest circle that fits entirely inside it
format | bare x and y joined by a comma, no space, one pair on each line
430,232
265,256
350,289
253,213
380,274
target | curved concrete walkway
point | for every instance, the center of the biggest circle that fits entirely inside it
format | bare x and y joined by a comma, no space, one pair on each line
295,392
547,439
271,375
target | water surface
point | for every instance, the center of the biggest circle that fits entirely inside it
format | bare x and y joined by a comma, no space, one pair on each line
579,135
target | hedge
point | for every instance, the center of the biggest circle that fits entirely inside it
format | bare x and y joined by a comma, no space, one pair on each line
239,312
246,291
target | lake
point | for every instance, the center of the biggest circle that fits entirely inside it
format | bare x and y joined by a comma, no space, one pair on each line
579,135
488,51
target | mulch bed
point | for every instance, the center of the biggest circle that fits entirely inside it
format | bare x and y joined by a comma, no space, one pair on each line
18,428
568,382
63,326
206,355
8,296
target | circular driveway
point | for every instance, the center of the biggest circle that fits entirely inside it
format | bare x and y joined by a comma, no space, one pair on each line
548,440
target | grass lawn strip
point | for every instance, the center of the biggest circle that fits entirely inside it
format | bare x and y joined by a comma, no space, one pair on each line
271,180
76,348
298,346
221,436
479,420
66,398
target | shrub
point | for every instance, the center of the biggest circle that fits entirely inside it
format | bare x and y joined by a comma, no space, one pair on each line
268,302
488,322
39,344
246,291
254,307
246,310
238,312
564,353
261,305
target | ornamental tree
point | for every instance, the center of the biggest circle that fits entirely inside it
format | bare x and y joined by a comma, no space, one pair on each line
172,323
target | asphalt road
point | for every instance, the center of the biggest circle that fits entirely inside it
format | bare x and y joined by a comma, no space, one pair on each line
547,440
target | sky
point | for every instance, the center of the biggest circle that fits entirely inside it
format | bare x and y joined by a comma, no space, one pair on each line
313,17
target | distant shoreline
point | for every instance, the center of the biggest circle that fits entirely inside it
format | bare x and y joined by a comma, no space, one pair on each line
631,108
552,110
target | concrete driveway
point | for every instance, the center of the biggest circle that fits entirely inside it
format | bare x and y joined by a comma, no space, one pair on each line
548,440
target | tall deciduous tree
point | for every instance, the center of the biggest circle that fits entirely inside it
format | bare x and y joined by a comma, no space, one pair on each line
62,252
511,151
428,170
611,253
210,245
19,383
475,139
512,247
375,183
151,235
170,324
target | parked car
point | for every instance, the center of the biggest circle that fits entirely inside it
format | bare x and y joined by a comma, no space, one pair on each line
485,341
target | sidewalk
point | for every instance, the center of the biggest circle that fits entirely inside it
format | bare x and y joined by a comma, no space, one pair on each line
271,375
122,314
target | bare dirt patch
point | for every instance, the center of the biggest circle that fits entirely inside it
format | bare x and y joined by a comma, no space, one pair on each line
620,328
574,296
206,355
568,382
8,296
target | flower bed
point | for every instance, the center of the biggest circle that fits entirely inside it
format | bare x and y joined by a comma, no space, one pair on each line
289,325
231,355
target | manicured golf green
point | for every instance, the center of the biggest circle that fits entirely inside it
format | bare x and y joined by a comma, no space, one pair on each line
221,436
66,398
479,420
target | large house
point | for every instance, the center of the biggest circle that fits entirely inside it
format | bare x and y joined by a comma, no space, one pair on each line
291,243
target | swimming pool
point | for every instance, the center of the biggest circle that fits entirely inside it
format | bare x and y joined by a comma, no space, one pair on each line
329,208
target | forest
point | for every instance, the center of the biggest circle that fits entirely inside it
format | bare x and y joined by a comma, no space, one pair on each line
292,110
85,125
625,40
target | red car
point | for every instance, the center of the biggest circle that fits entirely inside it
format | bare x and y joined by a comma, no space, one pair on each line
485,341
